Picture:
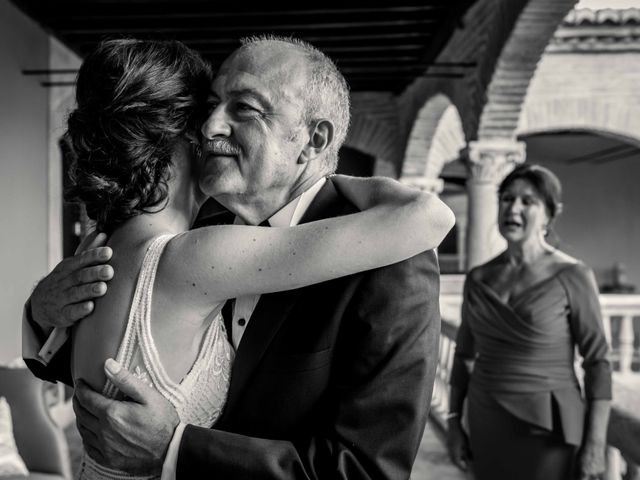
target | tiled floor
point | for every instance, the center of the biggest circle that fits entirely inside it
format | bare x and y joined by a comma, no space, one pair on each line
433,462
75,447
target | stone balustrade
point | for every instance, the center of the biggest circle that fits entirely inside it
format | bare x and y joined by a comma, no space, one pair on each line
619,312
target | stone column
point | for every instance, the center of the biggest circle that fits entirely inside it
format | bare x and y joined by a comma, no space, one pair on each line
489,162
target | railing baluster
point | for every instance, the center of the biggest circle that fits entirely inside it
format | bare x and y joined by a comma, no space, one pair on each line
614,464
626,343
606,324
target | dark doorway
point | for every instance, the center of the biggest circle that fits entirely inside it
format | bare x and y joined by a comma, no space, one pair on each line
72,212
356,163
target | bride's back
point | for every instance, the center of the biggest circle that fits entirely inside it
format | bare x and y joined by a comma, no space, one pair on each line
98,336
189,365
176,329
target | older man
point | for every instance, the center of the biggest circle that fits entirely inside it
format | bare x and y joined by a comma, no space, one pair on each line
329,381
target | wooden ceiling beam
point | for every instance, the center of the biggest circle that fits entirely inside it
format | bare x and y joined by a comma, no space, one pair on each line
63,11
88,29
400,75
320,41
380,69
377,60
380,37
346,50
382,46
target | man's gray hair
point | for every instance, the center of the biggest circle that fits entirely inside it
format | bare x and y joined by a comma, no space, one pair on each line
326,95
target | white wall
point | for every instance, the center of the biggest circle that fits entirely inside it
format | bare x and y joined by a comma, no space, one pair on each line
30,191
601,219
61,101
23,166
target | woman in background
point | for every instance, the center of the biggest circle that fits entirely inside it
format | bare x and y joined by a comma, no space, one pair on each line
523,313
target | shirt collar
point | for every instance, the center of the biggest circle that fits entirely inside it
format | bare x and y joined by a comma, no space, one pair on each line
292,212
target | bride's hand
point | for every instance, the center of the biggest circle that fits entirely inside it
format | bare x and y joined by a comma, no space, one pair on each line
367,192
433,217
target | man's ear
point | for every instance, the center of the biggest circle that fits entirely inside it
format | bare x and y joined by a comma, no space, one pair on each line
320,137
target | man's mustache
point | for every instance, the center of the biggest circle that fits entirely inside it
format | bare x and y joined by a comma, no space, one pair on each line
220,146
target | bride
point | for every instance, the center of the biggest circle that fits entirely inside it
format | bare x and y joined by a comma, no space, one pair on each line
139,107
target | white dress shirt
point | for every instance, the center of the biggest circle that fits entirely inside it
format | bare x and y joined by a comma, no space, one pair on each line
289,215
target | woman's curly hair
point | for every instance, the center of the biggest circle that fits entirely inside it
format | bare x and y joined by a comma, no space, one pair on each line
135,99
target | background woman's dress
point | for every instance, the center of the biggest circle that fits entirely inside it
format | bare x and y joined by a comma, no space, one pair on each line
526,411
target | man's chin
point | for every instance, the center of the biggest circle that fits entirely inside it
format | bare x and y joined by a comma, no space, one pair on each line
216,187
211,187
219,161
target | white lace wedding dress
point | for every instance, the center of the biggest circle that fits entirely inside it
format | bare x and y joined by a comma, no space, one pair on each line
200,396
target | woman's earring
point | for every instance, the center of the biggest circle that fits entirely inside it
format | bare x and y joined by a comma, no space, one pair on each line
545,230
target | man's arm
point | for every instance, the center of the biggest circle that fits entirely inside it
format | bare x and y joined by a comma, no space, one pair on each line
383,379
58,301
379,399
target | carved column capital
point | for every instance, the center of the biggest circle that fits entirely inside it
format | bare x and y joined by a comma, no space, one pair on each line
489,161
431,185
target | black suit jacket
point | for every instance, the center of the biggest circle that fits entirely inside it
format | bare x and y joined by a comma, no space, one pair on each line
330,381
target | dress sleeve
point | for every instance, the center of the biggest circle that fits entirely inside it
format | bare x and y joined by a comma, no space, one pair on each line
465,344
585,320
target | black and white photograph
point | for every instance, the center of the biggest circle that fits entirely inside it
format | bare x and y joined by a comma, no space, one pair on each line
391,240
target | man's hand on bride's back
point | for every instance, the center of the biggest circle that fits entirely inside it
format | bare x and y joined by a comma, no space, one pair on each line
131,435
65,295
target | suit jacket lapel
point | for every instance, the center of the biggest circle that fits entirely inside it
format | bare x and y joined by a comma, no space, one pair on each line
273,309
212,213
328,203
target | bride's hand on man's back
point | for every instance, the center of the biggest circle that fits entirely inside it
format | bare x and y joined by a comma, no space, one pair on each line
65,295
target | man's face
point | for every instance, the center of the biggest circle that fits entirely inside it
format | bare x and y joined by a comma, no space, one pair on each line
255,131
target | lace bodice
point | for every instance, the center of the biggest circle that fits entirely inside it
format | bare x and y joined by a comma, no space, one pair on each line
201,395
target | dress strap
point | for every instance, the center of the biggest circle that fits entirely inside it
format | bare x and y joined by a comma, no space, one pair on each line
154,365
140,307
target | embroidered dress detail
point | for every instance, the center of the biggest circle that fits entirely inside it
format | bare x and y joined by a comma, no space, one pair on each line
200,396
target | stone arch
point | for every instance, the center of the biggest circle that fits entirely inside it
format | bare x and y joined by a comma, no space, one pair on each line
517,64
586,113
436,138
486,65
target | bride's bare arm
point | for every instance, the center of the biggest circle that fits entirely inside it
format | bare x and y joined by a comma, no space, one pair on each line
210,264
367,193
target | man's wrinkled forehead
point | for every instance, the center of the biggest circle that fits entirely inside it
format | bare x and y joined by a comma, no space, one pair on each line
275,72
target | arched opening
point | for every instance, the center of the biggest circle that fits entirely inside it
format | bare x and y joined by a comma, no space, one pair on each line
436,136
599,172
436,139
